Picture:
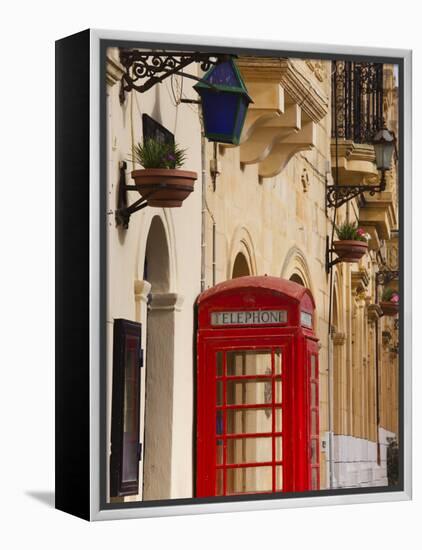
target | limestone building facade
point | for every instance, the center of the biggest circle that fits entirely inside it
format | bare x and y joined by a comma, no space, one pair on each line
258,209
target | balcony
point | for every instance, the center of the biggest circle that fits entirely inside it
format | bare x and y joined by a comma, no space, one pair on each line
357,114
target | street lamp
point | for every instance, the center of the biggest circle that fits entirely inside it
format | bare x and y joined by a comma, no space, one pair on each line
225,101
384,143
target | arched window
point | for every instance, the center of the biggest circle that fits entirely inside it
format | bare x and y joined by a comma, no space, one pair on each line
240,267
297,279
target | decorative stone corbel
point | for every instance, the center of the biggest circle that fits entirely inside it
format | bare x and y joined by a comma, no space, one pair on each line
360,280
282,120
339,338
356,163
268,133
379,212
374,312
285,149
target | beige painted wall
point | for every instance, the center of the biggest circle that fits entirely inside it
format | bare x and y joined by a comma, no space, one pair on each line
172,377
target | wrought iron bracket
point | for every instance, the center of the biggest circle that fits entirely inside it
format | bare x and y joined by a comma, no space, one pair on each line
337,195
329,261
386,276
124,212
145,69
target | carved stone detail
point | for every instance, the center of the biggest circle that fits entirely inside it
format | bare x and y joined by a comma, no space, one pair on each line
304,179
374,313
339,338
311,99
282,119
317,67
114,71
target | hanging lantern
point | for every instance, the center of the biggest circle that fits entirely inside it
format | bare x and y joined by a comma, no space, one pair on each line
384,144
225,101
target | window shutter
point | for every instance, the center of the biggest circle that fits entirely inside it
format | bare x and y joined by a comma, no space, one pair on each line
125,420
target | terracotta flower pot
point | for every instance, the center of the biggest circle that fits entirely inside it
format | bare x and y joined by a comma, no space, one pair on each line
167,187
389,308
350,251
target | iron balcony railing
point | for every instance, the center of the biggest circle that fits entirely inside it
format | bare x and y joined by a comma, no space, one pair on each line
357,100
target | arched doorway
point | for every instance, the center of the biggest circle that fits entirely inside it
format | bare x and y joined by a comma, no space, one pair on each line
159,366
240,267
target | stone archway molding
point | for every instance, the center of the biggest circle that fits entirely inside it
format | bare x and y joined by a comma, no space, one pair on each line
144,228
295,264
242,243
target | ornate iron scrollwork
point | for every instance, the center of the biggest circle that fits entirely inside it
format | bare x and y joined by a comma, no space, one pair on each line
145,69
385,276
337,195
357,114
357,100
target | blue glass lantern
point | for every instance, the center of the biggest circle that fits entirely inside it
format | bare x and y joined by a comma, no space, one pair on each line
225,101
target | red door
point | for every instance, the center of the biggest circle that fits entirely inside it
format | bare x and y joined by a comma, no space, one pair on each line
244,417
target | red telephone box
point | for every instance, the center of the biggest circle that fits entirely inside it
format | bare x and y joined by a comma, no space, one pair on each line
257,388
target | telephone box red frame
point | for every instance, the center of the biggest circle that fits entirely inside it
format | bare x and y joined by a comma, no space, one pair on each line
295,340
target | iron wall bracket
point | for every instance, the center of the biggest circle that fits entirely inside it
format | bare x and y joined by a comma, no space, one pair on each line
337,195
145,69
329,261
384,277
124,212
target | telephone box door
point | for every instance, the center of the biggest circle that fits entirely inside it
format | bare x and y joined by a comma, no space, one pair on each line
245,419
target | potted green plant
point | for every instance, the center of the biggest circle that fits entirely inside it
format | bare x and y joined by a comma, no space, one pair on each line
352,242
160,181
390,302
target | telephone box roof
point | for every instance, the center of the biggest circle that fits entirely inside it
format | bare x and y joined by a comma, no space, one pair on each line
274,284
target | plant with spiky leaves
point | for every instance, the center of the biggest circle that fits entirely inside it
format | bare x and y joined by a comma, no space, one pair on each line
155,154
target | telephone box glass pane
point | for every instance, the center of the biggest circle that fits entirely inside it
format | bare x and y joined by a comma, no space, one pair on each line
242,421
314,448
314,478
248,363
313,395
219,483
278,362
130,412
279,449
313,366
248,392
219,457
219,428
279,478
249,480
249,449
279,420
219,371
314,422
278,391
219,393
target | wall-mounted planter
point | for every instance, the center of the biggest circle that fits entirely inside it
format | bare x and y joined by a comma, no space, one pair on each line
389,308
350,251
167,188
